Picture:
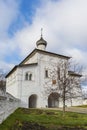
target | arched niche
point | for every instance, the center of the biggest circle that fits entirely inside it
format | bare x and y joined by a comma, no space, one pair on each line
53,100
33,101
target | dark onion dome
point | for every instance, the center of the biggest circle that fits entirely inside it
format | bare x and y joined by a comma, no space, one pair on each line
41,41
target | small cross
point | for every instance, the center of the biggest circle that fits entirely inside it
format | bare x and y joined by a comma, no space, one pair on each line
41,32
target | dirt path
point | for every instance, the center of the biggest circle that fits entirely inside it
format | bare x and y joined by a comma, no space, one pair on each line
72,109
77,109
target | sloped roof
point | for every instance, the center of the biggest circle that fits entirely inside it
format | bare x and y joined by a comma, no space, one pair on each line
21,64
45,53
15,67
72,73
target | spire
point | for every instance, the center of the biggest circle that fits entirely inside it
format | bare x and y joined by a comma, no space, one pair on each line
41,44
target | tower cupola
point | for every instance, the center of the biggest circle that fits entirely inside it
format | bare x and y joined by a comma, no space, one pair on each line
41,43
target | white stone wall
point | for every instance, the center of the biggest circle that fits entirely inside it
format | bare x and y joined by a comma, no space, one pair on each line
12,85
41,47
32,59
84,101
8,106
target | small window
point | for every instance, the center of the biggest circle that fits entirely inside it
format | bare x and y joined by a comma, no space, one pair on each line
46,73
26,76
30,76
59,73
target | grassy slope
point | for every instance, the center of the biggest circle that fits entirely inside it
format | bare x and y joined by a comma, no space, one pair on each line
49,118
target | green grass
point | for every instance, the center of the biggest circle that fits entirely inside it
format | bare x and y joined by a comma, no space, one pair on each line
83,106
48,118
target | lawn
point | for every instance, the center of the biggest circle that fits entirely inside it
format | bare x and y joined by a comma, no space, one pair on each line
40,119
83,106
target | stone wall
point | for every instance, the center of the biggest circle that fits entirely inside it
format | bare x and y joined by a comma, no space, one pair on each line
8,105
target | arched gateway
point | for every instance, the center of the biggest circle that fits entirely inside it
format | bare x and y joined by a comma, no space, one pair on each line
53,100
33,101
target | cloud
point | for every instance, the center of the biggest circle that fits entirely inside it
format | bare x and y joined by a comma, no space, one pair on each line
64,24
8,13
6,66
77,54
65,27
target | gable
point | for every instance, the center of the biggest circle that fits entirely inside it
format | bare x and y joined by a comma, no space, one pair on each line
33,56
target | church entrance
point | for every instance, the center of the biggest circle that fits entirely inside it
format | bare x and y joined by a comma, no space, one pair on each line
53,100
33,101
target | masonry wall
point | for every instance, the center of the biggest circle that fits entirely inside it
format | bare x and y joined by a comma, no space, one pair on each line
7,107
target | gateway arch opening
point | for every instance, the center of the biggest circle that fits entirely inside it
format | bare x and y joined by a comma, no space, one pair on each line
33,101
53,100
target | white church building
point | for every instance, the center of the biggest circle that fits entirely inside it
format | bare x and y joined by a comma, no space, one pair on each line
35,81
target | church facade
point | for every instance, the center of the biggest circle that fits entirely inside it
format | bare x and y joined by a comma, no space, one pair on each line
35,81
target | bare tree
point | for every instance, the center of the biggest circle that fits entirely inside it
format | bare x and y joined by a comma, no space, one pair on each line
2,82
64,82
84,83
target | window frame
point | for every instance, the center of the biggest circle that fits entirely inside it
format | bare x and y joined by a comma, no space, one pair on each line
28,76
46,73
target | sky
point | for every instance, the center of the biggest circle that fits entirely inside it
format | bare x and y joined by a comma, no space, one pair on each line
64,24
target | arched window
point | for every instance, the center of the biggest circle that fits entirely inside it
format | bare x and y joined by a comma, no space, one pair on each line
46,73
30,77
26,76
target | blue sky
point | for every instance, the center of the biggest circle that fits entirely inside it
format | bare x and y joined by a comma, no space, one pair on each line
27,9
64,24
